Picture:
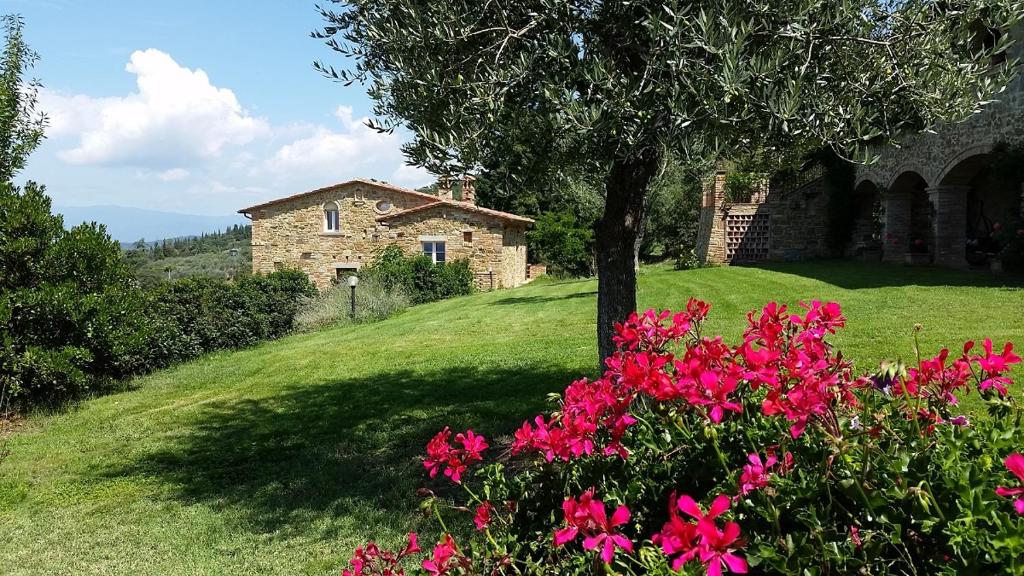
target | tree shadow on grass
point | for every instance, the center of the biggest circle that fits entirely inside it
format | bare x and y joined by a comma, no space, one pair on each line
341,455
854,275
512,300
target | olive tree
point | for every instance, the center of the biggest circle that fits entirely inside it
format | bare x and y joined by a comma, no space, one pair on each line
613,88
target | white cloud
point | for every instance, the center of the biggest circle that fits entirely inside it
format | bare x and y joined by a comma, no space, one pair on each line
173,175
335,154
176,117
411,176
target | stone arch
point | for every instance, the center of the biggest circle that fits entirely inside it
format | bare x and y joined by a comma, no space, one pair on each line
865,240
907,228
332,216
963,165
903,171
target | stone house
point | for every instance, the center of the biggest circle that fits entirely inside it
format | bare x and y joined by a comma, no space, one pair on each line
331,232
933,200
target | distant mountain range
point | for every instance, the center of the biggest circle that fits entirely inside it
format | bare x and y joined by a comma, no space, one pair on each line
130,224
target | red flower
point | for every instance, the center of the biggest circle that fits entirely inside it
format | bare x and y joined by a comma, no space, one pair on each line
855,537
441,455
444,558
714,546
1015,464
756,474
370,559
995,365
482,518
587,516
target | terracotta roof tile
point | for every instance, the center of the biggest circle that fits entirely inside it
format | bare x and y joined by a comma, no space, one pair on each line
383,185
459,206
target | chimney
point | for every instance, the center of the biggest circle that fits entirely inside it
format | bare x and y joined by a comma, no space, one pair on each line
468,189
444,187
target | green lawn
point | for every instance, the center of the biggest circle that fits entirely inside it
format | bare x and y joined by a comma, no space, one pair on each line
280,459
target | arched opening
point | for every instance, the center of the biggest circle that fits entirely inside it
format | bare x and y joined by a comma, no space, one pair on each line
332,217
868,222
908,220
988,204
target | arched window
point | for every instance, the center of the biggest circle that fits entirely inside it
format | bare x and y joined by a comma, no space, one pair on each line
332,220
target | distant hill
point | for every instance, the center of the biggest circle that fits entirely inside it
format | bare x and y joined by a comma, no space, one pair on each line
130,224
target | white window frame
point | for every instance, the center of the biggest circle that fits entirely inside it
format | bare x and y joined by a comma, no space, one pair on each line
429,248
328,209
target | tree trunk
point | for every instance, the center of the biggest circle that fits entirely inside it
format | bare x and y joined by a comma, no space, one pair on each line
619,233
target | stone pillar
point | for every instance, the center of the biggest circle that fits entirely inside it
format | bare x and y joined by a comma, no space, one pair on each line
949,224
896,237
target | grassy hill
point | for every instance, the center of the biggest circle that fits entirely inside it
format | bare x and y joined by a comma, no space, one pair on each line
282,458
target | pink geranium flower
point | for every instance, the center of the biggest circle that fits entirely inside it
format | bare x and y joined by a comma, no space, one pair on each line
482,517
454,461
587,516
444,558
1015,464
995,365
714,546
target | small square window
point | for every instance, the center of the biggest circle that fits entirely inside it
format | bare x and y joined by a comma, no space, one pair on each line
467,236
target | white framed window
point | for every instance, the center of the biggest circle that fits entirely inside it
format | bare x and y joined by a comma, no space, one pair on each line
332,217
434,249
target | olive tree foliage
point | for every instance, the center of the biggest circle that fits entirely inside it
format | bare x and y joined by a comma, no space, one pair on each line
21,126
612,88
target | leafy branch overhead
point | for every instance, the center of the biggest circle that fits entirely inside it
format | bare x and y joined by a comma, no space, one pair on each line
612,79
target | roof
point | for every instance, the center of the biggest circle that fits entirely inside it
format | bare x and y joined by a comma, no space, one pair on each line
383,185
459,206
434,201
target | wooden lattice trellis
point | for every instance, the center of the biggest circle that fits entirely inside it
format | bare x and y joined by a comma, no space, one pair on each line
746,237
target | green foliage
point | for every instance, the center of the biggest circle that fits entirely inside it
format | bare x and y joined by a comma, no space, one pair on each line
199,315
565,246
221,255
419,277
674,214
21,126
374,302
740,186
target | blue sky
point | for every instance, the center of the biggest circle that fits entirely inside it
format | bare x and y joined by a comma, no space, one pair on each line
192,106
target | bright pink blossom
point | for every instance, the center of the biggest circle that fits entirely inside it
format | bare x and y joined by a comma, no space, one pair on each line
444,557
1015,464
371,559
482,517
995,366
757,473
587,516
454,461
714,546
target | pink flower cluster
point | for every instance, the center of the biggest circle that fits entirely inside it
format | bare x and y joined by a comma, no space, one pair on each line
757,473
372,560
442,455
701,539
941,379
587,517
1015,464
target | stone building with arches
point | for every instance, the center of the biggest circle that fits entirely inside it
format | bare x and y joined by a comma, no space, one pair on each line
933,200
332,232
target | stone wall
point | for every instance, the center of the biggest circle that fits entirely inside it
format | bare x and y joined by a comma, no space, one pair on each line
799,222
290,234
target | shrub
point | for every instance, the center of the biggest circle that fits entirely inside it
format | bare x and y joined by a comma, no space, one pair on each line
417,276
193,316
772,455
563,244
374,302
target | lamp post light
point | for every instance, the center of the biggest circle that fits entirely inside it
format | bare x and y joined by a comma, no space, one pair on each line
352,281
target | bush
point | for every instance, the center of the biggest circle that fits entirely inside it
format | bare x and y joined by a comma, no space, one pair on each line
419,278
771,456
197,315
374,302
563,244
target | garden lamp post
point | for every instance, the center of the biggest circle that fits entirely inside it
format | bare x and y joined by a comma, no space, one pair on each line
352,281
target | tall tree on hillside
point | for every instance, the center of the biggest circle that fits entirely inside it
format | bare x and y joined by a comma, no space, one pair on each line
21,126
611,88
